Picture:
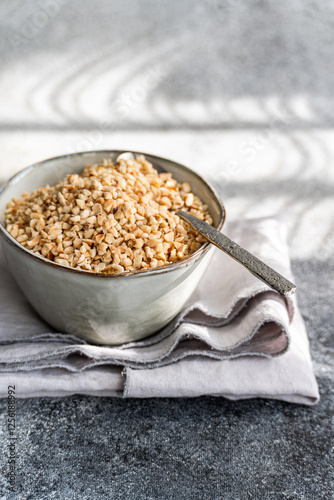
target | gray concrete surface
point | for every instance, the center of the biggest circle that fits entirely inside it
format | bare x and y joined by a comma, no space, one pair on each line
241,92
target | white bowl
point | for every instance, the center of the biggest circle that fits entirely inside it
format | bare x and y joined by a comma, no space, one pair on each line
104,309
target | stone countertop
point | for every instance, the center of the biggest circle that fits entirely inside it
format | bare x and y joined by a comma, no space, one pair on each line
242,93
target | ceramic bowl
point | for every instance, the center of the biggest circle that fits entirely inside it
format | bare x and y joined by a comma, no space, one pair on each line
104,309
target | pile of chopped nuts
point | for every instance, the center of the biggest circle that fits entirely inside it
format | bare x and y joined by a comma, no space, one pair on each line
112,218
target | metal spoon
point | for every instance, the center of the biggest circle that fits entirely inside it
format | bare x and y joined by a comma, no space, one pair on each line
125,156
245,258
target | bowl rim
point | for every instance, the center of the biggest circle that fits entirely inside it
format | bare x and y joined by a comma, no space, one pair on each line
156,270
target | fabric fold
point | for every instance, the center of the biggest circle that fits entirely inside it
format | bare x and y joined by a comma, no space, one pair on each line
288,377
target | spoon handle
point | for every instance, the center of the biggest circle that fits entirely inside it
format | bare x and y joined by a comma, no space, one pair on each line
248,260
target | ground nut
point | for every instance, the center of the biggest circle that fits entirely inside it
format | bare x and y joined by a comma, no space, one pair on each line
75,218
186,187
152,242
139,243
108,223
40,225
126,262
109,238
169,236
33,242
80,260
91,220
81,203
108,205
15,231
165,201
189,199
97,209
83,248
100,220
89,233
117,268
53,234
137,260
63,262
149,252
85,214
99,238
102,248
61,199
100,267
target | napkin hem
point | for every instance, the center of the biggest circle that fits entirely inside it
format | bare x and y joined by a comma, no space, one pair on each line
149,363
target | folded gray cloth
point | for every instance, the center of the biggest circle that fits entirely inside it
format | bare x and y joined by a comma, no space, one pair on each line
235,338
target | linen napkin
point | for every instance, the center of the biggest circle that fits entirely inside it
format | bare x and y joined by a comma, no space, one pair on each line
234,338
